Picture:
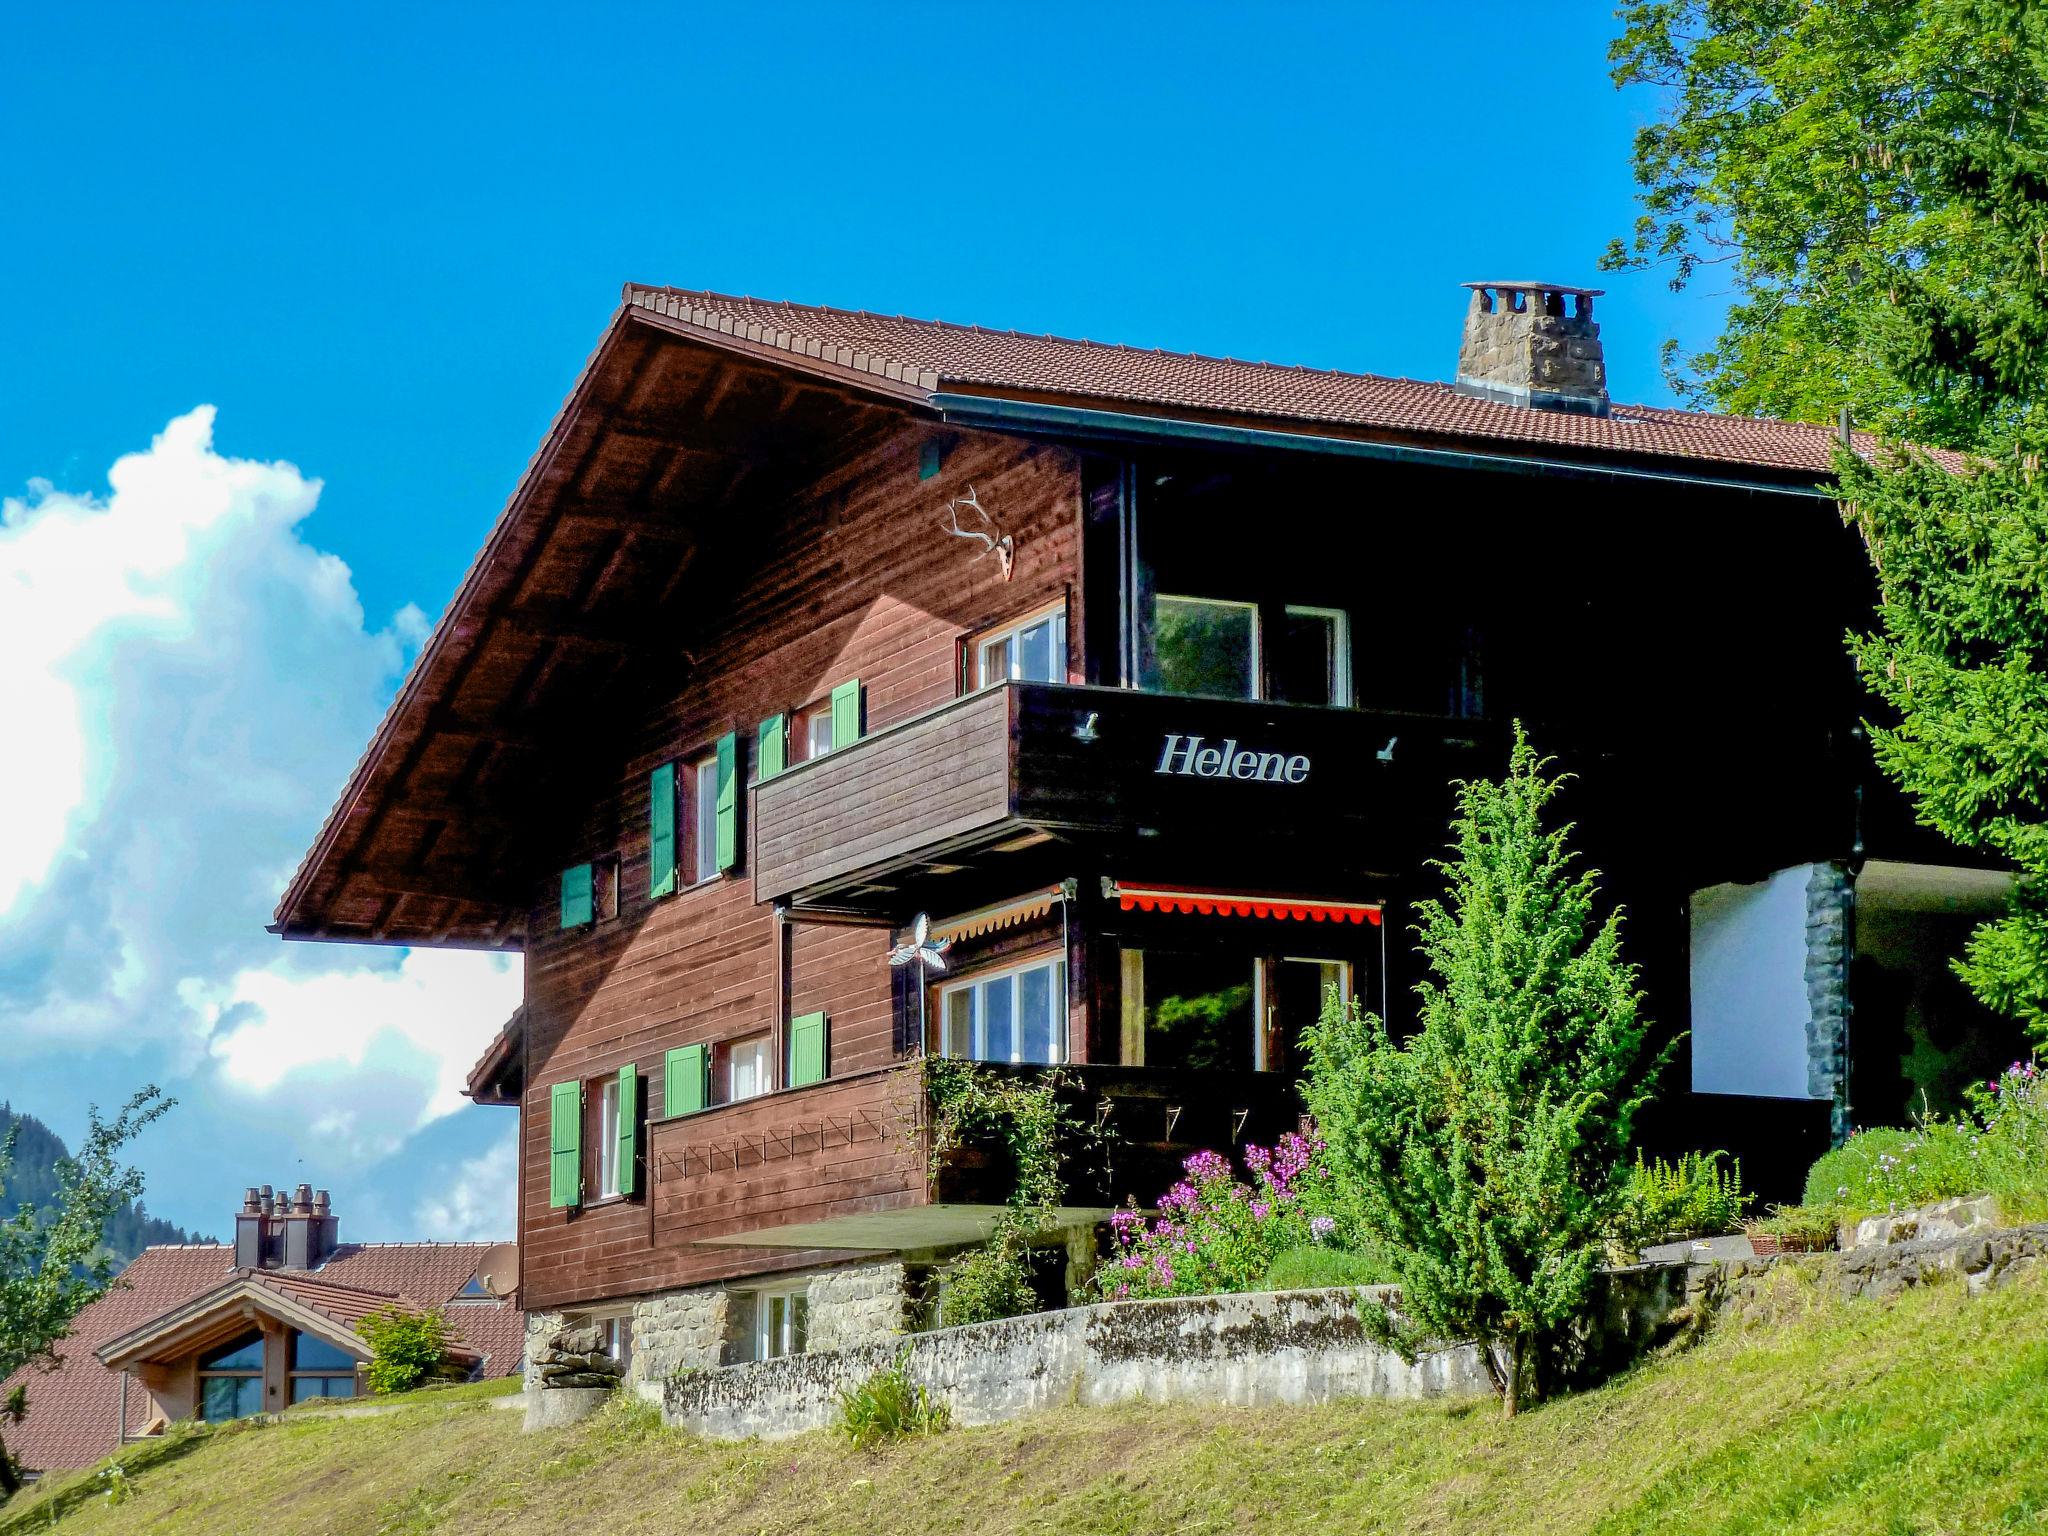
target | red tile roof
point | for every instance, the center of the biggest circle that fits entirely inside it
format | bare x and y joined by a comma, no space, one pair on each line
935,357
72,1411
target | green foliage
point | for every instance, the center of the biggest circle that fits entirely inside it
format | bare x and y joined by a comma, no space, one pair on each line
1485,1154
890,1406
1957,656
1321,1267
1870,179
408,1349
1694,1197
1794,1228
1998,1147
53,1256
1024,1114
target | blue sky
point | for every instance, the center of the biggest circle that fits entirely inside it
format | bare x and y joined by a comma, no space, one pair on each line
378,245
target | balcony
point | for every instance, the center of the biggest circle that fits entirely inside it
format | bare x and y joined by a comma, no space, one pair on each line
845,1164
1013,767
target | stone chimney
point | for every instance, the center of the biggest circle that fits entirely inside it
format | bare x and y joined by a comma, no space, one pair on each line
1535,345
293,1230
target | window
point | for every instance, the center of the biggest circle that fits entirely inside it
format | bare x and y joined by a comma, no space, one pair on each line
1192,1009
745,1073
1015,1015
814,730
1292,998
704,818
779,1324
1311,658
1205,646
318,1369
605,1144
1033,650
231,1380
616,1336
604,887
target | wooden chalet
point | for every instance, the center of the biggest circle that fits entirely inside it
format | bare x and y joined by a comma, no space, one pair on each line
1142,679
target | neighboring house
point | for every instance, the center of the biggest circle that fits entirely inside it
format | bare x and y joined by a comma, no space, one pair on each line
218,1331
1145,677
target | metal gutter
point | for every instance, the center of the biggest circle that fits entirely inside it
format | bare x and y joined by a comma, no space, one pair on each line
1001,415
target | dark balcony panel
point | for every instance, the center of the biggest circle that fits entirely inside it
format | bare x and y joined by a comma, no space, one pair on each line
915,788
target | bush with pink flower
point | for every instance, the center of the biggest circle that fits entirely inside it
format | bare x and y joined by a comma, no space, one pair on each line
1216,1230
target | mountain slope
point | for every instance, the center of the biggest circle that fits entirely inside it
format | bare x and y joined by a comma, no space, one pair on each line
32,1180
1926,1414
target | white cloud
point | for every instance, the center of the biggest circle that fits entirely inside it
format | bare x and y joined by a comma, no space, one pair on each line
186,683
477,1204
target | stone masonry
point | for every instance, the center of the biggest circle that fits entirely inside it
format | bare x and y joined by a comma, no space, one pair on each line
676,1331
1533,344
1829,893
857,1305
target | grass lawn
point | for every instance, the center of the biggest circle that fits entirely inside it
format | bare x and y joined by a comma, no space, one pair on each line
1926,1414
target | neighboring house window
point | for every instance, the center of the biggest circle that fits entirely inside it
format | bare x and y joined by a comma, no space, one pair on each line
474,1290
745,1072
320,1370
704,818
606,1138
780,1325
1033,650
1017,1015
231,1380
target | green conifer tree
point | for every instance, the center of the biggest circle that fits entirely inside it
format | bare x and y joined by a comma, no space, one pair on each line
1487,1152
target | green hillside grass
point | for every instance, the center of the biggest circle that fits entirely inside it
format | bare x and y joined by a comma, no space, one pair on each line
1926,1414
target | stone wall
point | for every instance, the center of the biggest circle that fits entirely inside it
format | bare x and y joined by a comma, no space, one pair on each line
1828,898
1249,1350
1749,1289
861,1304
676,1331
540,1327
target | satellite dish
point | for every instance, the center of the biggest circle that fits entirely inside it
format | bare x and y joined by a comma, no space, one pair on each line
498,1270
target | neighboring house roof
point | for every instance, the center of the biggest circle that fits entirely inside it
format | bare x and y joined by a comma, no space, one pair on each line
72,1411
936,357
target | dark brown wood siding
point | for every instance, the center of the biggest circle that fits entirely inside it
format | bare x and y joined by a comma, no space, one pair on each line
855,579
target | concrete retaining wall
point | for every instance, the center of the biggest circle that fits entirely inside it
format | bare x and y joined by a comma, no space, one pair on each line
1247,1350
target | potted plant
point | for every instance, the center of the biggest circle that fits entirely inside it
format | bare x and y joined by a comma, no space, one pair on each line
1790,1229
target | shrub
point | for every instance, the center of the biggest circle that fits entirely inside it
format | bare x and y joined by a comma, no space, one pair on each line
889,1406
1998,1147
986,1284
1215,1232
1694,1197
1321,1267
407,1348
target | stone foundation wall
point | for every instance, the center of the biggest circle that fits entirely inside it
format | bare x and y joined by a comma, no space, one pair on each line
1747,1289
1250,1350
676,1331
540,1327
1828,897
862,1304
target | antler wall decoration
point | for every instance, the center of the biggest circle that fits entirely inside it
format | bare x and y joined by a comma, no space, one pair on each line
989,533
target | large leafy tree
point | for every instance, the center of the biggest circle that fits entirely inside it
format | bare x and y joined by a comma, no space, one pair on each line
1864,177
1875,178
1487,1151
53,1262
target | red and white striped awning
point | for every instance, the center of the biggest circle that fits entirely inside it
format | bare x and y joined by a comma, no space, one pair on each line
1175,898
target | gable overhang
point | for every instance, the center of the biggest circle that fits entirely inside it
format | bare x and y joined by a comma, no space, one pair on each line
219,1315
672,430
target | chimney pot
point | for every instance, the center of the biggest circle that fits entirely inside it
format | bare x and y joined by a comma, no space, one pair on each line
1534,345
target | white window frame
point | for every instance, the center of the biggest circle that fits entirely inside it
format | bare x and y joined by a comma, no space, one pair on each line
1261,1006
976,1028
607,1138
762,1053
1340,639
1258,651
766,1331
1014,633
807,720
703,806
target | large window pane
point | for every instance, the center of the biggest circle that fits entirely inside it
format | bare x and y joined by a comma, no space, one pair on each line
1035,654
244,1354
1205,646
222,1398
1198,1011
997,1023
959,1023
1310,661
1038,996
313,1354
995,661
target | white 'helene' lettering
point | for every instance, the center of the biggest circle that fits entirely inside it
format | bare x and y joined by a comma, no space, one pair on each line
1187,757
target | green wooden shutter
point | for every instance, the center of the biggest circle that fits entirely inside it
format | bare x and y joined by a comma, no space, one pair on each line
846,714
769,751
686,1079
728,800
806,1049
565,1144
578,896
661,830
629,1129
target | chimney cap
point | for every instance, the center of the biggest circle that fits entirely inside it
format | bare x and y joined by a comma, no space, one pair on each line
1590,293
